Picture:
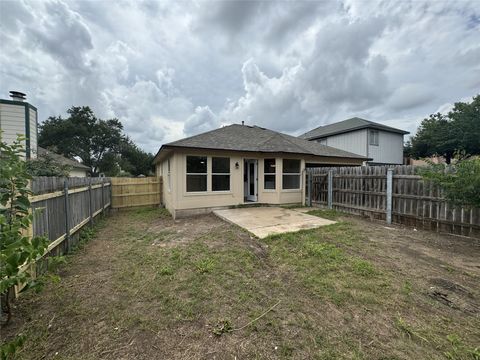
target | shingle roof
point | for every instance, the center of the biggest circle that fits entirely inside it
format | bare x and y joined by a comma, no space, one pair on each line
61,159
256,139
346,126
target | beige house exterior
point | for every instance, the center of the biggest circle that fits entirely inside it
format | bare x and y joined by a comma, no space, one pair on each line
198,180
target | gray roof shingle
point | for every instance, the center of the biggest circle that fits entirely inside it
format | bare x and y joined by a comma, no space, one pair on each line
346,126
256,139
61,159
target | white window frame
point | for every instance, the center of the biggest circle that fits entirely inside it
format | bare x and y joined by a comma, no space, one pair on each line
292,174
274,174
203,174
374,137
229,174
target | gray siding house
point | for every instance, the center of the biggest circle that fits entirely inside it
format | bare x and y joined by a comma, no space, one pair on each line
380,143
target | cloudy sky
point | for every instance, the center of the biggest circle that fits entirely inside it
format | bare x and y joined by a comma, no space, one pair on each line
171,69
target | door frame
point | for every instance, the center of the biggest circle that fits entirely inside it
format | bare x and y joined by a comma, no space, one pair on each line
247,173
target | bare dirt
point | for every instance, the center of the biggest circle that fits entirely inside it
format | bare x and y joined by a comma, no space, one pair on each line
149,287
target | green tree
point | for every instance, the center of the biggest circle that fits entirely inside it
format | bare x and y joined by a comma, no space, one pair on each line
443,135
46,165
460,180
17,250
83,135
134,160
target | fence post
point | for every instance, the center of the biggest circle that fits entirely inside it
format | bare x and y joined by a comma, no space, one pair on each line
389,195
330,189
90,206
103,197
67,215
308,176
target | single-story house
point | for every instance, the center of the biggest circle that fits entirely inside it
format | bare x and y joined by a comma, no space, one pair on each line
381,143
77,168
240,164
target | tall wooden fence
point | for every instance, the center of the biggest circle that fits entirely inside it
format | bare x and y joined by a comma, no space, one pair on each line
132,192
395,194
62,206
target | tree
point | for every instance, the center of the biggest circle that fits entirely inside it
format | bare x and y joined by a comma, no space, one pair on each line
83,135
460,181
443,135
17,250
134,160
46,165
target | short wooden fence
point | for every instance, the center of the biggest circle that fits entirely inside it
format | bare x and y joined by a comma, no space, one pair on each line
394,194
133,192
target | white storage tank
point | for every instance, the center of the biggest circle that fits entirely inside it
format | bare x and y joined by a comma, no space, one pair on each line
19,117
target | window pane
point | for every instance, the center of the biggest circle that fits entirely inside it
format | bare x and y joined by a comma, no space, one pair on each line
196,183
269,182
373,137
220,182
291,181
269,166
291,166
220,165
196,164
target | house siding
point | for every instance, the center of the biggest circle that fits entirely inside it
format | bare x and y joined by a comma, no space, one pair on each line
354,141
389,149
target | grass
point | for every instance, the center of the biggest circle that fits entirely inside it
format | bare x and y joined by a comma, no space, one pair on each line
149,287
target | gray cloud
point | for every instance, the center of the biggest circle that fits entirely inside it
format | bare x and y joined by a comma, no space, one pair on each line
171,69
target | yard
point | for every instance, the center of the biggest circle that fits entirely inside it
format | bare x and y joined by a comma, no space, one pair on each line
148,287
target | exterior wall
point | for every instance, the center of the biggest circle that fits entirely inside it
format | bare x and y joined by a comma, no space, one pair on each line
389,149
78,173
13,121
33,133
355,141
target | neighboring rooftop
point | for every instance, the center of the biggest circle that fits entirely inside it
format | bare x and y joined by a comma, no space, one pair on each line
61,159
256,139
348,125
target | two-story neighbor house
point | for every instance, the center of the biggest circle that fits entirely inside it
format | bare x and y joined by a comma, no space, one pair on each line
383,144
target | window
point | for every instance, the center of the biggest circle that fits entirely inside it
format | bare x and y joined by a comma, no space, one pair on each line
168,175
196,173
269,174
291,174
374,137
220,174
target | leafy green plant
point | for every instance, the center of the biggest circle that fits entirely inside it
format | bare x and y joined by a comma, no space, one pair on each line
8,349
17,249
460,180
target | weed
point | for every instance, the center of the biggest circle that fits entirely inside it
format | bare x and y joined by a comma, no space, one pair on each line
407,288
166,270
407,329
363,268
205,265
460,351
222,327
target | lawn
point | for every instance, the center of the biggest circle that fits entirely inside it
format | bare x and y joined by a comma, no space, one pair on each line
148,287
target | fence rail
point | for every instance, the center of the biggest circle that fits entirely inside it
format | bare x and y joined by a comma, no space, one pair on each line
132,192
394,194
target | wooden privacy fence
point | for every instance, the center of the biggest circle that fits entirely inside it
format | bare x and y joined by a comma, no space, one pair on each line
394,194
62,206
131,192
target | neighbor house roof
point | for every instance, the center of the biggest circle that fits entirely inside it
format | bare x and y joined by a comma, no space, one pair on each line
347,126
256,139
61,159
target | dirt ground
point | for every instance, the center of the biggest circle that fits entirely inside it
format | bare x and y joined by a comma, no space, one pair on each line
149,287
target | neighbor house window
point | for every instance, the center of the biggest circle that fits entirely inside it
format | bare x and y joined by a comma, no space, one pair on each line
220,174
374,137
168,175
291,174
269,174
196,173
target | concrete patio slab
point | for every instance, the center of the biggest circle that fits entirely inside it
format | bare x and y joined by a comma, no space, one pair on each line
265,221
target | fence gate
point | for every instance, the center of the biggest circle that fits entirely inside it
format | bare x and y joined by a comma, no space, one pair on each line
131,192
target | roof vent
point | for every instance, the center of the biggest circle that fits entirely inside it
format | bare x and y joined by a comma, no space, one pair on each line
17,95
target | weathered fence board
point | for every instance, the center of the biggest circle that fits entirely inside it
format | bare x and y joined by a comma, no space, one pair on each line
132,192
413,201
